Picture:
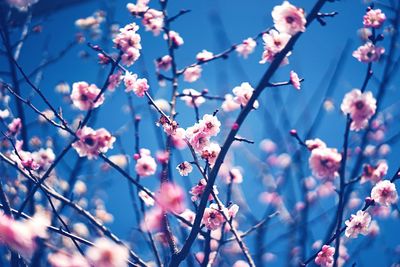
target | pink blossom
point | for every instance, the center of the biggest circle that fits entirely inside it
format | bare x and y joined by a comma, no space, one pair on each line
384,193
243,93
174,38
138,86
152,220
315,143
147,200
106,253
140,7
288,18
145,165
235,176
368,53
325,162
83,96
93,142
358,224
268,146
213,217
274,42
189,216
204,55
198,190
374,18
61,259
240,263
192,97
229,104
128,41
114,81
211,125
360,106
374,173
325,256
198,139
246,47
295,80
184,168
192,74
43,158
14,127
21,236
153,20
24,158
171,198
164,63
210,153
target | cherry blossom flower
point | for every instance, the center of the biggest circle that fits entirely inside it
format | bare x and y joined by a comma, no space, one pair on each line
23,158
243,94
384,193
184,168
288,18
198,190
14,127
192,97
360,106
140,7
213,217
164,63
325,162
145,164
171,198
325,256
315,143
83,96
61,259
174,38
44,158
204,55
210,153
106,253
21,236
147,200
138,86
364,34
211,125
114,81
192,74
274,42
91,142
295,80
229,103
128,41
368,53
246,47
153,20
358,224
152,220
235,176
374,173
374,18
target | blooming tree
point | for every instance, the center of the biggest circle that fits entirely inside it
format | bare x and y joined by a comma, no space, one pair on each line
197,188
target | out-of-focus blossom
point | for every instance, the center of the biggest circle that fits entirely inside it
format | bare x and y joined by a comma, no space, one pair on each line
384,193
22,5
204,55
83,96
164,63
229,103
192,74
140,7
315,143
153,20
360,106
246,47
368,53
374,18
14,127
147,200
192,97
171,198
145,164
92,142
174,38
358,224
106,253
61,259
288,18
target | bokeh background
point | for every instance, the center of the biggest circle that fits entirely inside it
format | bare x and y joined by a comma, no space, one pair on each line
215,25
